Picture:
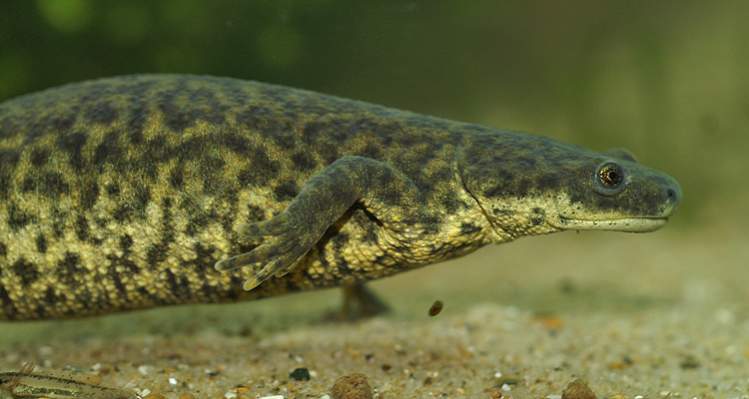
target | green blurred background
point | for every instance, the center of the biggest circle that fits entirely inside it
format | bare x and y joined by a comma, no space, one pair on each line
665,79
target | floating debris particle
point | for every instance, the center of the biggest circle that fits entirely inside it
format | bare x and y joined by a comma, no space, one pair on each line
436,308
351,386
578,389
300,374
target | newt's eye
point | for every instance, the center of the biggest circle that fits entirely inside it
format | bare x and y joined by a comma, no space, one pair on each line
609,178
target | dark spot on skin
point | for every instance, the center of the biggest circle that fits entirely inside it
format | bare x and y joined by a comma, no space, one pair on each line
63,123
255,213
26,271
286,190
17,219
41,243
89,194
342,266
122,213
9,158
49,183
108,151
113,189
9,308
73,144
39,157
8,161
303,161
81,228
177,177
54,184
28,185
126,243
469,228
261,169
371,151
451,204
58,222
235,143
101,112
69,268
142,197
50,298
114,276
204,257
178,286
282,135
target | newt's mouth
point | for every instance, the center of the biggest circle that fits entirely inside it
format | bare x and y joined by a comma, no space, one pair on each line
632,225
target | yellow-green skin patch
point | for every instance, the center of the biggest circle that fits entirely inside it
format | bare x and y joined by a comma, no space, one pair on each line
123,193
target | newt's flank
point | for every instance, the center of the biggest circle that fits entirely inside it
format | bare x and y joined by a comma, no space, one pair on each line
141,191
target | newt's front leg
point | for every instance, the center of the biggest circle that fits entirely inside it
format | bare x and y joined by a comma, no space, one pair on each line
386,193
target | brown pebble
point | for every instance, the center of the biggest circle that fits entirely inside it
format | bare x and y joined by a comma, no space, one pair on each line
155,396
436,308
351,386
578,389
495,393
186,396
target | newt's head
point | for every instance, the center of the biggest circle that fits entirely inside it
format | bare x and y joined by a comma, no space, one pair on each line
533,185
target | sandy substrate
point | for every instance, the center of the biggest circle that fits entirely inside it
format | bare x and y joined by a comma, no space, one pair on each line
662,315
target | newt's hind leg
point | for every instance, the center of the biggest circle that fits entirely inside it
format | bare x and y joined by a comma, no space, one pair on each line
360,302
283,240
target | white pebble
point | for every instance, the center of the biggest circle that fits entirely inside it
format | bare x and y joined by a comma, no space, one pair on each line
498,374
172,381
45,350
506,388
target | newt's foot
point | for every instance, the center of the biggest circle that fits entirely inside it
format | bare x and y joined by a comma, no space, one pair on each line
278,248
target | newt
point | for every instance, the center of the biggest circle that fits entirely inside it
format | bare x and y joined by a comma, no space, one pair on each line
148,190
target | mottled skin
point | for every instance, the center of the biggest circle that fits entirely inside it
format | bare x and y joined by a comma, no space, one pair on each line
124,193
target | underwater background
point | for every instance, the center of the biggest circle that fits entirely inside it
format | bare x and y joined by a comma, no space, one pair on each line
656,314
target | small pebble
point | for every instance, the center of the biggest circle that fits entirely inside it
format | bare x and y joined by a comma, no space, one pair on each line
300,374
578,389
436,308
689,362
351,386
